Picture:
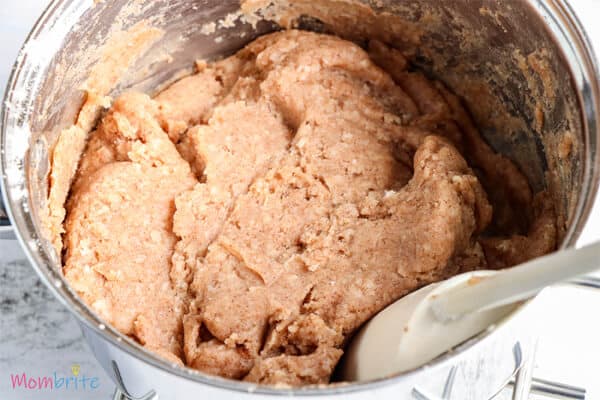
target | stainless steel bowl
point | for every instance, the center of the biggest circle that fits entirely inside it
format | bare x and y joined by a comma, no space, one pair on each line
524,68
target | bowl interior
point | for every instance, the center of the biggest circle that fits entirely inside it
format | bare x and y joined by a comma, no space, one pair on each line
507,64
501,59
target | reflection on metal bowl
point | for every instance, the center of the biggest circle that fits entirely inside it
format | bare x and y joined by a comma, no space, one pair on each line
524,69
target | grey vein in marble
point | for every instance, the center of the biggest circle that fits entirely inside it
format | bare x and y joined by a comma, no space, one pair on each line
38,336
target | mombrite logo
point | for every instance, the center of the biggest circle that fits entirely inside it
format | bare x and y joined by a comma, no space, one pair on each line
56,381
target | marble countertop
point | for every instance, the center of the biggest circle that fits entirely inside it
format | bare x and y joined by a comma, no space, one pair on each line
40,338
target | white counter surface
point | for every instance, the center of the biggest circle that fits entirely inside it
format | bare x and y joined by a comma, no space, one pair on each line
39,337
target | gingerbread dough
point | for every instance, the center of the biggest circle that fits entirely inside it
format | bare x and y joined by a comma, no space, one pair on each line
248,219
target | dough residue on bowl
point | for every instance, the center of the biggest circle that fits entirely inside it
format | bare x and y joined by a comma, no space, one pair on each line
250,217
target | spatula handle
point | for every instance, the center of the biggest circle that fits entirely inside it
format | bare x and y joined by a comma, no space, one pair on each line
516,283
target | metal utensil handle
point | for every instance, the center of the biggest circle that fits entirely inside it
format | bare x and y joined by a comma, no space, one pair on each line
118,395
586,281
4,221
6,231
121,392
524,383
555,390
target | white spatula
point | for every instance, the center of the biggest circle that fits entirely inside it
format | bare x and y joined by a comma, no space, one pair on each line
421,326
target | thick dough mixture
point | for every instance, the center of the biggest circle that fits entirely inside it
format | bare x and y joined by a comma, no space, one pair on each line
248,219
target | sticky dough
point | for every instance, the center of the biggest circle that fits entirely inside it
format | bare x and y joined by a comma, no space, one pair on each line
249,218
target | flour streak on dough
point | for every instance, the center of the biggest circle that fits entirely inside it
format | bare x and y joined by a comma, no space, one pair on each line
118,54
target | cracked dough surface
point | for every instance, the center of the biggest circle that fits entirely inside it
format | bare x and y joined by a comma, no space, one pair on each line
249,218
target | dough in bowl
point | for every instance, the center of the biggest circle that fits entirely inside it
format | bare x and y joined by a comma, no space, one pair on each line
249,218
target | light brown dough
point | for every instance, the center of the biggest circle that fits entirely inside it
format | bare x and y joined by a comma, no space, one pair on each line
119,237
252,216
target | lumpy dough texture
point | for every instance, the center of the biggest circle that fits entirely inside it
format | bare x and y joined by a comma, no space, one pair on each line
249,218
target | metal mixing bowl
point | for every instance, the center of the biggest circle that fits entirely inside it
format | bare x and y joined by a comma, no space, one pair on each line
525,70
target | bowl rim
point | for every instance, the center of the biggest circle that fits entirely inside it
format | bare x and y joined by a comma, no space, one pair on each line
28,236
